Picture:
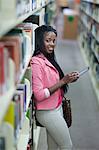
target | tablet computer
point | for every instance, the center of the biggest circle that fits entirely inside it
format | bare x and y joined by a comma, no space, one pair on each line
83,71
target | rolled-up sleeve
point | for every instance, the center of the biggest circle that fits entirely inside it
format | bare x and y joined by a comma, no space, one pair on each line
46,92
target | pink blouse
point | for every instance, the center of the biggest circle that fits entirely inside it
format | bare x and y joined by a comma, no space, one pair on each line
44,75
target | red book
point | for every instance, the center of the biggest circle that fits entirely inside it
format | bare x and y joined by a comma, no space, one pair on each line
2,75
16,45
14,54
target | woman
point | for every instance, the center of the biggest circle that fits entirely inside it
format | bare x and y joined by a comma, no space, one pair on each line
49,86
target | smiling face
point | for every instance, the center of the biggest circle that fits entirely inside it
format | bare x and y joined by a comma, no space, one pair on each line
49,42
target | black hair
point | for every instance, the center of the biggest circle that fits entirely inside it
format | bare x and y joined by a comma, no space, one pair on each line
39,46
39,37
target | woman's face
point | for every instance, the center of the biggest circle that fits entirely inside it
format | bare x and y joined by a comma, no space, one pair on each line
49,42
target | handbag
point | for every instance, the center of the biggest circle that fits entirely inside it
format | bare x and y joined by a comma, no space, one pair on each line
67,114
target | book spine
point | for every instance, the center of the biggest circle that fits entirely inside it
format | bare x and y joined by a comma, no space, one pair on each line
2,76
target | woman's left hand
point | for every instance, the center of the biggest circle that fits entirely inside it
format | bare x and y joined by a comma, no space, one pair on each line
75,75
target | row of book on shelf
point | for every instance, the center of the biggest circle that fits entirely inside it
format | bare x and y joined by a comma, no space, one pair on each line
89,29
15,49
19,7
91,24
91,41
91,50
91,9
16,113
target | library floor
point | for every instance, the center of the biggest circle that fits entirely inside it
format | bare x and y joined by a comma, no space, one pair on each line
85,108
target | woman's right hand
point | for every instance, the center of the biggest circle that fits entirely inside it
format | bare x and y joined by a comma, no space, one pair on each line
70,77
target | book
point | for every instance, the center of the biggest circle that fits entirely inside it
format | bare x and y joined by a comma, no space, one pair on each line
21,34
2,80
28,86
14,55
12,74
28,76
28,39
18,42
39,3
7,127
23,88
34,4
4,69
29,26
9,116
17,116
19,95
34,27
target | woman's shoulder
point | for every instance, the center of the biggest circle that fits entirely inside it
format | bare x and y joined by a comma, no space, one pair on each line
38,59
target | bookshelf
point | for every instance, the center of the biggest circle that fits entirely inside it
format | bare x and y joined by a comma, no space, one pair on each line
24,70
90,73
4,104
7,24
89,39
92,1
24,135
17,43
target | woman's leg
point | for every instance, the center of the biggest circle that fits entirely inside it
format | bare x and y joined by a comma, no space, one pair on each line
52,145
57,130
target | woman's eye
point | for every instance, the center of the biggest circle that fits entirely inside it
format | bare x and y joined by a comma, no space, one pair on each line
50,41
47,40
54,41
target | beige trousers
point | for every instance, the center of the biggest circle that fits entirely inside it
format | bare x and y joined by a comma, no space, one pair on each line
58,136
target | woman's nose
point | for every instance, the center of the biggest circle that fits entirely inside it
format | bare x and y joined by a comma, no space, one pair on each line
52,43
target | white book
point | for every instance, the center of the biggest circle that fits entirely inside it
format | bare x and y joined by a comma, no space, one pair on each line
28,76
34,27
39,3
12,75
28,95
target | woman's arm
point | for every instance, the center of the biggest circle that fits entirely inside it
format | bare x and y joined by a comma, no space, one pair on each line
68,78
42,93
